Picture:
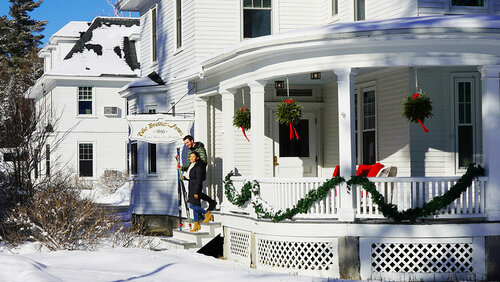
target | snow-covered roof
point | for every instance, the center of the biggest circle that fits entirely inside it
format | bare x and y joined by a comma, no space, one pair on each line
152,79
103,50
72,29
471,23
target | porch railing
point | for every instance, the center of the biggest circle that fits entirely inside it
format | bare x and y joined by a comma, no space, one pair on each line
411,192
405,192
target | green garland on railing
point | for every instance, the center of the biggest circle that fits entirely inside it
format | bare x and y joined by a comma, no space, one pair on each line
388,210
246,191
302,205
430,208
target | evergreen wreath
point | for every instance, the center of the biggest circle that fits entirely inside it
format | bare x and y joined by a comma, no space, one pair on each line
417,107
388,210
288,111
242,118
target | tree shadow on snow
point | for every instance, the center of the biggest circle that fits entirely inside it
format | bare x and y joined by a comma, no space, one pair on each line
147,274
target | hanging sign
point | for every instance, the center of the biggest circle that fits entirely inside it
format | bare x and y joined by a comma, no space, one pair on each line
158,128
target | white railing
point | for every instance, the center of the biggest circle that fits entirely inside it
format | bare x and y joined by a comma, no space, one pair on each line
411,192
404,192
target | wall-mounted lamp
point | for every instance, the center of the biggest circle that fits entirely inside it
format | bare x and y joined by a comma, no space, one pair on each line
315,75
279,84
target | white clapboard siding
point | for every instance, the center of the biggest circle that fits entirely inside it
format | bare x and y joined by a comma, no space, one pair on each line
388,9
294,14
330,131
440,7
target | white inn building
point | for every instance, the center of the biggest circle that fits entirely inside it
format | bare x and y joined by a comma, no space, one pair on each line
349,64
86,63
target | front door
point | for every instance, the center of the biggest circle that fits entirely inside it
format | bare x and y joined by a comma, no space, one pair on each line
296,158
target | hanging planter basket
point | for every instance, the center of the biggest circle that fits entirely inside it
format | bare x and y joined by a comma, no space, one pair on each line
417,107
289,113
241,119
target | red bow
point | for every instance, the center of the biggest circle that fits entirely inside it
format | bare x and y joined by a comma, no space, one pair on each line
288,101
416,95
243,129
293,132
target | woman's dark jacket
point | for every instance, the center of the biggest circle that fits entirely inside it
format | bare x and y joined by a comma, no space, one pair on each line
196,176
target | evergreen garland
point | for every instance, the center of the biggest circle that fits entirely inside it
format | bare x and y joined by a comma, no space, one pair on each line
388,210
288,111
417,106
242,118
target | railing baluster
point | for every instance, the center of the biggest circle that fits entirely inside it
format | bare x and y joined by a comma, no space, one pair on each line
470,202
476,200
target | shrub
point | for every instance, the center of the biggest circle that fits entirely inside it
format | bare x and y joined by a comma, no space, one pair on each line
111,180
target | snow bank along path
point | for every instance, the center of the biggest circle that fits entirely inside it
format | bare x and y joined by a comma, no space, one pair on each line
128,264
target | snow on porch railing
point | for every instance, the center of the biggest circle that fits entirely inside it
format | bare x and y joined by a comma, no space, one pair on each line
411,192
283,193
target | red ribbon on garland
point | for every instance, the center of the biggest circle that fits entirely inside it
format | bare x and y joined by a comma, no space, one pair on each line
243,129
416,95
293,131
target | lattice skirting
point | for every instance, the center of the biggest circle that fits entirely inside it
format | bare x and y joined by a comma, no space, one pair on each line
238,246
303,256
414,258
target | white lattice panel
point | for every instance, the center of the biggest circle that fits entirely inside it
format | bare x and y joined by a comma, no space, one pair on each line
297,255
416,259
422,257
239,246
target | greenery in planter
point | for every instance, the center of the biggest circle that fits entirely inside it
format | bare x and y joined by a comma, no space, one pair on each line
417,107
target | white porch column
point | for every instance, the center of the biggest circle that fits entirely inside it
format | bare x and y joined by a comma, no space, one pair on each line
200,120
347,146
257,127
491,137
228,131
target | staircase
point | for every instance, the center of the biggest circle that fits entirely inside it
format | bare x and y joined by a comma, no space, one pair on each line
192,240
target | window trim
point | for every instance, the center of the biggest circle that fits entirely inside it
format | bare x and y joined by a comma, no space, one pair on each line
356,11
93,114
334,13
475,118
94,147
136,159
359,89
178,47
149,159
242,18
154,34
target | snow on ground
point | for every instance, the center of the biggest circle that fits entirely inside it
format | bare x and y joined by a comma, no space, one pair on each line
99,195
126,264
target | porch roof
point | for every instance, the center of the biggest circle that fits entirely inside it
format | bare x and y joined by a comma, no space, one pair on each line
316,39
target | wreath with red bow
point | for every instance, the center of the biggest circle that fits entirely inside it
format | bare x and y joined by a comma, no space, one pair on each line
242,119
417,107
289,113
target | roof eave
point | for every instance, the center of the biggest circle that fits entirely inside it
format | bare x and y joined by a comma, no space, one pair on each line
130,5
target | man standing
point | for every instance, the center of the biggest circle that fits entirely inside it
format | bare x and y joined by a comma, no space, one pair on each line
199,148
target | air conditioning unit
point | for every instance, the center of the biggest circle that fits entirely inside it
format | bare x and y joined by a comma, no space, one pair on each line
110,111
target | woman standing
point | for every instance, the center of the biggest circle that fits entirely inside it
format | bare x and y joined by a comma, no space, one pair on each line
196,173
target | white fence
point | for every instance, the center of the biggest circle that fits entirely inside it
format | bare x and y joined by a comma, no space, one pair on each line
404,192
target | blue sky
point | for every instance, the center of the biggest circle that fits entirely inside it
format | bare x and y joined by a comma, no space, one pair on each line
59,12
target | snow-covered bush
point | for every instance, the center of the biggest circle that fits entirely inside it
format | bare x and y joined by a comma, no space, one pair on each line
59,219
111,180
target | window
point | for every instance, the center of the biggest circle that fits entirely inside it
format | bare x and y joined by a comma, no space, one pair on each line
178,22
471,3
84,100
86,159
256,18
359,10
335,7
365,126
151,158
151,109
47,159
153,33
133,158
464,113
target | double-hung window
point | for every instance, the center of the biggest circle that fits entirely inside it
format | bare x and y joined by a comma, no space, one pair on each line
86,159
465,121
178,22
468,3
359,10
256,18
151,158
133,158
85,100
365,126
154,25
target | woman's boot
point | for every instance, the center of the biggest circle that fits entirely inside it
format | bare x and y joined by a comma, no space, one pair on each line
208,217
196,227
